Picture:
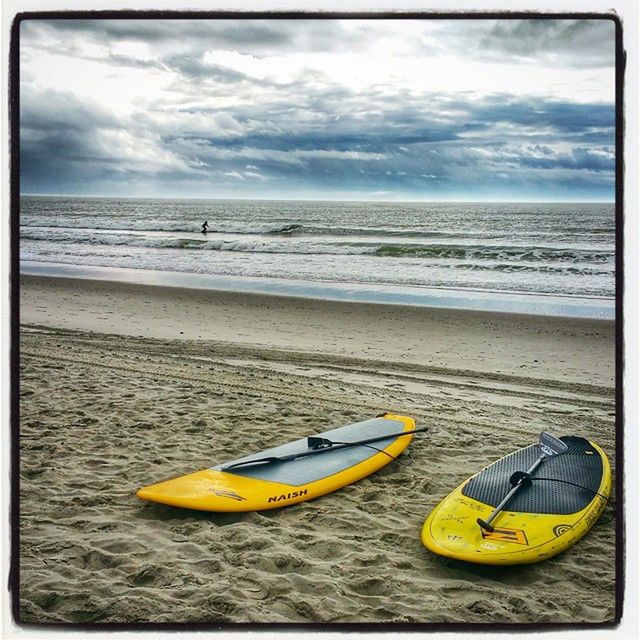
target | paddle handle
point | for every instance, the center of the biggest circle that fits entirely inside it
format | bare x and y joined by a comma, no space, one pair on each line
486,524
313,452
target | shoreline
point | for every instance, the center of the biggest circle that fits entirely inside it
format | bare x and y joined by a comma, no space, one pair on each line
123,385
578,349
520,303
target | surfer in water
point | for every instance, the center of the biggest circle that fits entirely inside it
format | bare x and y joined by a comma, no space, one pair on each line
205,226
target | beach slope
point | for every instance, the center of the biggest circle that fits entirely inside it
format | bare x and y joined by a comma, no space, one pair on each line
124,385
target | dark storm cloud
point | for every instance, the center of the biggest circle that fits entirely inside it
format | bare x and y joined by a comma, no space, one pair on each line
214,123
194,68
259,36
562,117
350,136
160,31
516,156
130,61
578,42
72,142
60,158
419,146
580,159
58,137
390,124
60,111
573,43
397,145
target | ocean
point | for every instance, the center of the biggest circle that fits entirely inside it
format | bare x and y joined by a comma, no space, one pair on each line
550,258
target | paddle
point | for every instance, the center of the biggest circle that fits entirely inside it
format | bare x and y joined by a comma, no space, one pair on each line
319,445
549,446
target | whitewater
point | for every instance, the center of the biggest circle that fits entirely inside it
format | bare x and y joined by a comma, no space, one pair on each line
523,249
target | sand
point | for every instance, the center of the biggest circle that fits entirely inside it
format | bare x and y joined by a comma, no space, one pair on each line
124,385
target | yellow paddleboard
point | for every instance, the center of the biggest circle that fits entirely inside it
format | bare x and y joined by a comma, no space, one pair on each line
544,517
264,481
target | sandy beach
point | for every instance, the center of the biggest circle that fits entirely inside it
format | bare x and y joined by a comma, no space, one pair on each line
123,385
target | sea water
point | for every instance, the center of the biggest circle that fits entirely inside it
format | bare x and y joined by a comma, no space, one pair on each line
541,257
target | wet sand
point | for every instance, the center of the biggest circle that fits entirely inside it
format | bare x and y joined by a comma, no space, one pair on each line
124,385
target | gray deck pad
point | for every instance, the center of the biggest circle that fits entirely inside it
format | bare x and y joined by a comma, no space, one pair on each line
305,470
580,464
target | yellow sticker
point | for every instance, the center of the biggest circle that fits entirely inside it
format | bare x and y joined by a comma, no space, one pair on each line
506,535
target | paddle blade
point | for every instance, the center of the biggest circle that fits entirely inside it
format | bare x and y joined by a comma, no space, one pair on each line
550,445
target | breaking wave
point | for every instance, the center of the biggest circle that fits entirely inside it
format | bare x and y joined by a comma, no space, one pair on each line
564,248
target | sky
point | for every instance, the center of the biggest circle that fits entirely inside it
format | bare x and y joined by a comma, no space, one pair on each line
435,110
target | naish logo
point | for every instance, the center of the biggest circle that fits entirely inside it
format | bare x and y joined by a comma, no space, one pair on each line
288,496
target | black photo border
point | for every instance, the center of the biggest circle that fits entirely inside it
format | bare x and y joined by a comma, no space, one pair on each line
14,312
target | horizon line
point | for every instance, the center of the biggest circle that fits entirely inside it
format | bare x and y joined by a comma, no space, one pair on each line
311,199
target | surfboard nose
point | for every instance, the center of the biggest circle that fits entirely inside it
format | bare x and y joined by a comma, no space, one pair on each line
147,493
180,492
153,494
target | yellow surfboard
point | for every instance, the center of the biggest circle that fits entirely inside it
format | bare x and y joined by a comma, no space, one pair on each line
291,473
565,497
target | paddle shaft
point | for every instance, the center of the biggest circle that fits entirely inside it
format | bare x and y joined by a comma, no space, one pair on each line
313,452
510,495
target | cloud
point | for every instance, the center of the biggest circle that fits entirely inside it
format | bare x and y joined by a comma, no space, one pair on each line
131,61
579,43
234,174
66,139
526,156
62,111
196,123
255,35
313,105
191,67
253,174
209,151
412,146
